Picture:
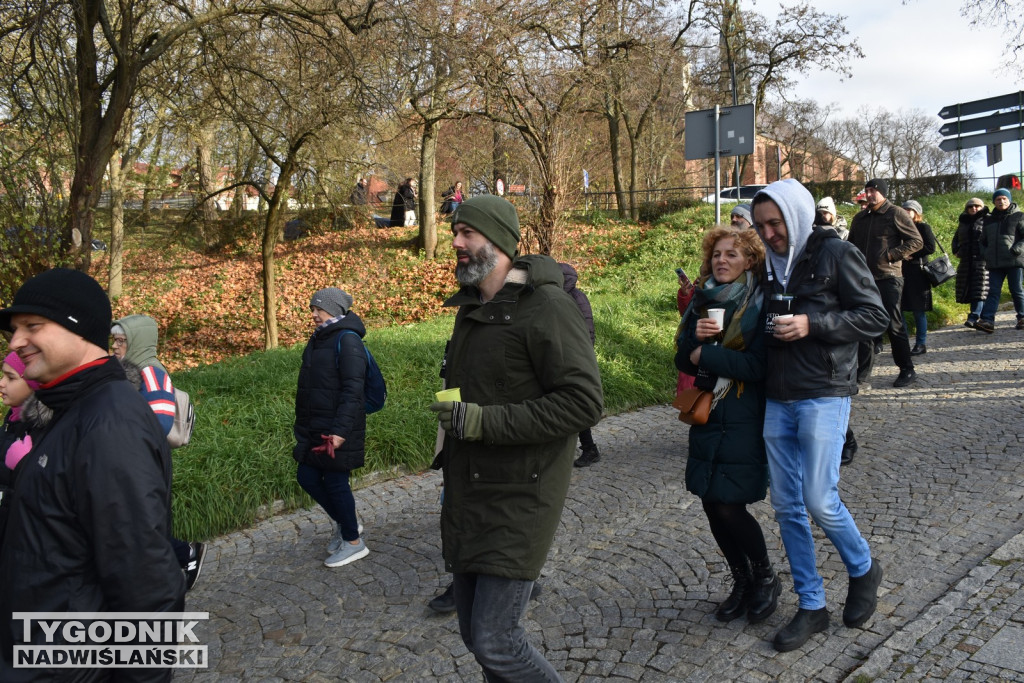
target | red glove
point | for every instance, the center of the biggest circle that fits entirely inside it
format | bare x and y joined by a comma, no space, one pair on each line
326,447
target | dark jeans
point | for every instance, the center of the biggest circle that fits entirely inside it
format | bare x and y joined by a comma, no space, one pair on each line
490,611
891,290
332,491
995,290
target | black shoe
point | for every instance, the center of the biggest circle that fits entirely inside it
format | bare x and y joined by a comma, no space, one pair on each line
878,348
862,596
849,450
985,326
196,555
589,456
1020,324
739,599
764,592
918,350
970,323
805,624
907,375
445,602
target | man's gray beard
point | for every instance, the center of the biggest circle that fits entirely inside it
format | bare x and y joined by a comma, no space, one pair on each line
478,268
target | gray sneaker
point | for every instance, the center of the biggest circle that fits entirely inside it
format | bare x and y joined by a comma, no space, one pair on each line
347,554
336,540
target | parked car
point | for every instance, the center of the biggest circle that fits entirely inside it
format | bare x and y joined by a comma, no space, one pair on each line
730,194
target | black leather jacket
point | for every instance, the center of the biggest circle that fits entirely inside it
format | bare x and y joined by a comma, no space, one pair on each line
832,285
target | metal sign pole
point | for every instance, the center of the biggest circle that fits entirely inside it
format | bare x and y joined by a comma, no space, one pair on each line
718,169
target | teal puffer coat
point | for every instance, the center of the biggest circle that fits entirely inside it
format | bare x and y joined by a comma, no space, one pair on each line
727,461
525,357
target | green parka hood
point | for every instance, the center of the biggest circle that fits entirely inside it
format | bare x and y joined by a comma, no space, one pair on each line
142,334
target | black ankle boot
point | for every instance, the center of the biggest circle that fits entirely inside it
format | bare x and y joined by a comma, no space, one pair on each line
736,604
805,624
764,592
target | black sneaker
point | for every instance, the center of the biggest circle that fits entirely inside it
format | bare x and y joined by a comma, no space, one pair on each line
985,326
445,602
1020,324
196,555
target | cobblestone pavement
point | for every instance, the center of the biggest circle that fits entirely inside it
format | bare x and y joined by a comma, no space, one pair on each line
634,577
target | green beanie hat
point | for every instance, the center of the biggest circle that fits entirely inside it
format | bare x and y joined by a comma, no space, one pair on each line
494,218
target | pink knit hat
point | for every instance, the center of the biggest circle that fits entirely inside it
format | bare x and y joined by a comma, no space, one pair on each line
16,363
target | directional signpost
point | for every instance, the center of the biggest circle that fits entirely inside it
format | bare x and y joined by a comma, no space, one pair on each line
718,132
1006,125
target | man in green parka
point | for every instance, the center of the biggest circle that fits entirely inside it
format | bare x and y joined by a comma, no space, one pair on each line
522,360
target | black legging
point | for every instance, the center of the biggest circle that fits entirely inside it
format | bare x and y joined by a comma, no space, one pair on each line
736,531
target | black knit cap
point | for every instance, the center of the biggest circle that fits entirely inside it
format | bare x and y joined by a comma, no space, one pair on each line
69,298
879,184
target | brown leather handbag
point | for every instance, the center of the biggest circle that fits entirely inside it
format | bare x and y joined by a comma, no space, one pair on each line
694,405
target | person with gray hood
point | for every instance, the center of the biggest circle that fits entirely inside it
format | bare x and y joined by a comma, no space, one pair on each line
821,301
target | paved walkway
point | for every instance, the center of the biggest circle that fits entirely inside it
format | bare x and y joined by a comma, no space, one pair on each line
634,577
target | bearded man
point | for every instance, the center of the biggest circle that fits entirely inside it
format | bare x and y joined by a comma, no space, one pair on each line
521,356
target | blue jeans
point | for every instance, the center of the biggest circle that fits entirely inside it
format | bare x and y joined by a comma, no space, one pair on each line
804,440
976,308
490,611
920,326
332,491
1013,277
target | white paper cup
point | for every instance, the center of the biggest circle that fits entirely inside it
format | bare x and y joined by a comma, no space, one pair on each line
718,315
784,317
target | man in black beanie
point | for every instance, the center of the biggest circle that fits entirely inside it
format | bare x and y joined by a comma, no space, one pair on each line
89,525
887,236
521,358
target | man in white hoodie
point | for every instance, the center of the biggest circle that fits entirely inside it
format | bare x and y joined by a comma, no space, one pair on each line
821,300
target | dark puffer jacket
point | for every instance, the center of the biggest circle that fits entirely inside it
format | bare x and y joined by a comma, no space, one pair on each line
89,529
1002,238
525,357
329,399
971,272
727,461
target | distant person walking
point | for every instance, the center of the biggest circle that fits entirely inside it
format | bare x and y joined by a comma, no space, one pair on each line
887,236
1002,243
330,419
403,206
917,288
971,272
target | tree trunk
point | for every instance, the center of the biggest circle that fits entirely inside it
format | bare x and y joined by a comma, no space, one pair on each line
272,230
428,157
116,247
207,179
612,115
151,174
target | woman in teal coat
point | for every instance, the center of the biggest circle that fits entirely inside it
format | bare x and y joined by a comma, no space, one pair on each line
727,466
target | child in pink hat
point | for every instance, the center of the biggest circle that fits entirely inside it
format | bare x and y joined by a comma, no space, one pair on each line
15,442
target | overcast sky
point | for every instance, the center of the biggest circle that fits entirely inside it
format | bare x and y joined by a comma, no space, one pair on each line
919,54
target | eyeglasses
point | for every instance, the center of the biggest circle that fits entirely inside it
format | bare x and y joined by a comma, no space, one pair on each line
119,341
